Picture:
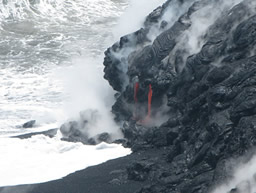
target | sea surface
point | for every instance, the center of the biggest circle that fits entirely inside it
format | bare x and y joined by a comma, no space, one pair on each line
38,38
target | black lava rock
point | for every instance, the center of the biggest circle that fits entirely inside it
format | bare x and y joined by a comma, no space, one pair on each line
29,124
209,94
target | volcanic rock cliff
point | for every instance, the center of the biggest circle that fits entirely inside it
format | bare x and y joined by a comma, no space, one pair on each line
204,93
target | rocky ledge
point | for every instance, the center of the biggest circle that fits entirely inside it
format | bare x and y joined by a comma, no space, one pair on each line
201,71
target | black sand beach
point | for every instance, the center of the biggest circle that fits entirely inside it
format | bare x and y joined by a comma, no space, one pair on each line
109,177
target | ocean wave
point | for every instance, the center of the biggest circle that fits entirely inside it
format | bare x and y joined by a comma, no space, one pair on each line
58,10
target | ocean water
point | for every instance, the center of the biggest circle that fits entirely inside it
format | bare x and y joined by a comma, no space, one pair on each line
37,39
51,54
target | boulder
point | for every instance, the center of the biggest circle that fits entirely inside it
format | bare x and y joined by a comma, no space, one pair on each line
79,130
29,124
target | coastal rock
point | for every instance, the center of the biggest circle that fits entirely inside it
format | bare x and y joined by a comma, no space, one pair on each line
49,133
78,130
204,100
29,124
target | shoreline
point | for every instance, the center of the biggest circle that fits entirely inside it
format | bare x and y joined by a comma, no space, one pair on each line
108,177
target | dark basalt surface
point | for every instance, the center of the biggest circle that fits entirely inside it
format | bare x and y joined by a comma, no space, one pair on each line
211,97
50,133
29,124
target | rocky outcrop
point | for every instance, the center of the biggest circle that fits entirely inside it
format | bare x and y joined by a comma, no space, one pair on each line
49,133
29,124
79,130
210,96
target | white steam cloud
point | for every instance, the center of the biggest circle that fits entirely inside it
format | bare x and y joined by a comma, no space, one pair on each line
192,39
174,10
88,91
134,16
244,178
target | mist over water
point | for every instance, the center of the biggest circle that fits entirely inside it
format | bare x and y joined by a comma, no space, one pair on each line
134,16
89,93
242,176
